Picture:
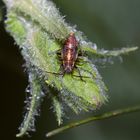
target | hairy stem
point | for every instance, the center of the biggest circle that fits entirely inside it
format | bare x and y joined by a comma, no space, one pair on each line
95,118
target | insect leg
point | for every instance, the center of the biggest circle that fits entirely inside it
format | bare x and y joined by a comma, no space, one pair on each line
81,60
84,60
80,53
81,77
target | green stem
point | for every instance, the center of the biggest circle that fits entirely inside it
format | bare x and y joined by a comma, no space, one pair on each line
95,118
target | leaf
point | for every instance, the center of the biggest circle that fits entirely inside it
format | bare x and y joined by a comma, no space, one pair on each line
32,106
89,93
15,28
40,51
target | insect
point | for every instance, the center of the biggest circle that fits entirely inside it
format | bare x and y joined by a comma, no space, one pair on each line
69,56
69,53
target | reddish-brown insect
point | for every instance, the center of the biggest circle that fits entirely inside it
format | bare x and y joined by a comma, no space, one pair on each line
69,56
69,53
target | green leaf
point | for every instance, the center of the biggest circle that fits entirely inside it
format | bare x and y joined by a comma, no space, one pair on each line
89,93
32,105
40,51
15,27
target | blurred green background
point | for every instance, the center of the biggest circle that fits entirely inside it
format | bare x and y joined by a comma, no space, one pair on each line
111,24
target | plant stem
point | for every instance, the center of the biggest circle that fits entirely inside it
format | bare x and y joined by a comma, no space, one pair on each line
95,118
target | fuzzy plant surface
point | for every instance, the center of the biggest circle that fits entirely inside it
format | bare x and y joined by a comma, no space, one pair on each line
40,31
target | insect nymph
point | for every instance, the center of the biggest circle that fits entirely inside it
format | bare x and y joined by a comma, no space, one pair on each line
69,53
68,56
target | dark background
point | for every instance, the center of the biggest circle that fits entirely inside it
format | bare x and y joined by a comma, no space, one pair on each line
111,24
